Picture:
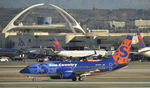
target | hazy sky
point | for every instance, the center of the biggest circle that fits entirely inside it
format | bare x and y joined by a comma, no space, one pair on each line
80,4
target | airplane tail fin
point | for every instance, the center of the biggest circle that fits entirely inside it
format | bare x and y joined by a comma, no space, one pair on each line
56,45
140,39
122,53
20,44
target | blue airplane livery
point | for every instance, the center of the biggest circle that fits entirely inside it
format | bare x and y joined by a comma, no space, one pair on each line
79,70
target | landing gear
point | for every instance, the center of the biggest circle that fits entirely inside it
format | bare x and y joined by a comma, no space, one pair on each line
33,79
74,79
79,78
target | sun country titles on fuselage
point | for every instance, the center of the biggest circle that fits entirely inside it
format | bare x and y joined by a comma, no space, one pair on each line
78,70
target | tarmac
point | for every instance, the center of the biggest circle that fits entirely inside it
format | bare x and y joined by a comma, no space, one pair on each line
136,75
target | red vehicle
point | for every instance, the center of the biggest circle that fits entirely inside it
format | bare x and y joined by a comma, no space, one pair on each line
43,59
40,60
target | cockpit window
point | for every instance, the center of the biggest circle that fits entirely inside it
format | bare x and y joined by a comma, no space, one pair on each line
31,67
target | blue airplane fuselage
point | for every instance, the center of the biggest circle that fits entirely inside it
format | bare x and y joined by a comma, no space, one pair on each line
8,52
68,69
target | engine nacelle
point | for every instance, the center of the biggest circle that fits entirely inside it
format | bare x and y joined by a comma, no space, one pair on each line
64,75
67,75
56,77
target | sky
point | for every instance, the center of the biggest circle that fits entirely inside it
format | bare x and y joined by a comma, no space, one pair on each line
80,4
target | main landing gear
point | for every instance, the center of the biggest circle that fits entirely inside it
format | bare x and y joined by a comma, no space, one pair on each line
79,78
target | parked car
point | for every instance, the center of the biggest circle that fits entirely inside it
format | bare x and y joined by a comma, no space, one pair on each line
40,59
46,59
4,59
43,59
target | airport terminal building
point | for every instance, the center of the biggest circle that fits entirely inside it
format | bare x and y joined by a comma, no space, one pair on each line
69,33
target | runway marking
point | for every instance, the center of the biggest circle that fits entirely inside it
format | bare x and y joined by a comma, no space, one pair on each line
92,84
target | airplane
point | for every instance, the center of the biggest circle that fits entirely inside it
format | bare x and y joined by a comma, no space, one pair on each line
79,70
10,52
35,51
20,48
75,53
143,50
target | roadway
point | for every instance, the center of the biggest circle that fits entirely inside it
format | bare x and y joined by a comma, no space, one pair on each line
135,75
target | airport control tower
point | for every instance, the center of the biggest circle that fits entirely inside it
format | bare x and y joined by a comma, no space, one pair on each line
41,26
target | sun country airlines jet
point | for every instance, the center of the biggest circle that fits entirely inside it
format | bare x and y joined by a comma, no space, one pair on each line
78,70
75,53
143,50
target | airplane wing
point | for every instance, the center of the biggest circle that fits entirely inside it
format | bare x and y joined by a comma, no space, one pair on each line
134,52
85,71
88,71
79,72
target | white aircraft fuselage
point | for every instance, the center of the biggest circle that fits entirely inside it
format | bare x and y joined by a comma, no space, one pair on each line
144,51
80,53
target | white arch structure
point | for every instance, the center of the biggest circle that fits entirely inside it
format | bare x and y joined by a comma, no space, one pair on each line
62,12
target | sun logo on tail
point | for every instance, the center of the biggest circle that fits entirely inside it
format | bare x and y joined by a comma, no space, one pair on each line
122,53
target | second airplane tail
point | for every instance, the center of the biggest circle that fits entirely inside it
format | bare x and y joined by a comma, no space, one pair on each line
140,40
21,43
56,45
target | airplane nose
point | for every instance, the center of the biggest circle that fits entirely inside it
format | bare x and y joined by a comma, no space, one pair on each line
25,70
